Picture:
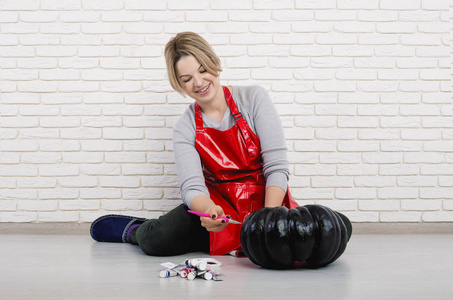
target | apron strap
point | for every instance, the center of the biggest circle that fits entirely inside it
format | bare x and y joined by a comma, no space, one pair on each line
243,126
252,149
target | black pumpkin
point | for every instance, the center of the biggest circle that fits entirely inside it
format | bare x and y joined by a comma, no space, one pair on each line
278,238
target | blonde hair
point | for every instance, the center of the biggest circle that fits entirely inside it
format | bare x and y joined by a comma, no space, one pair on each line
185,44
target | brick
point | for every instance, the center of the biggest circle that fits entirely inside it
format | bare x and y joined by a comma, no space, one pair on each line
165,205
20,29
81,133
401,169
314,121
400,122
447,204
83,157
417,181
32,110
125,157
121,205
310,50
122,133
7,205
418,16
18,194
75,86
146,99
9,16
354,27
363,217
160,181
397,193
78,63
396,27
439,146
143,145
360,170
336,134
58,194
80,181
160,157
59,170
316,146
9,158
374,62
8,134
373,181
435,5
355,193
433,27
402,146
357,122
400,216
20,146
309,193
41,158
100,122
59,145
339,205
35,63
379,205
142,193
406,98
79,16
37,205
320,4
141,169
383,158
277,62
120,63
377,16
302,158
379,134
18,217
429,51
145,5
100,193
312,27
58,216
336,39
297,182
420,134
79,205
331,181
37,86
334,110
119,181
339,158
122,110
19,75
331,62
164,110
101,169
357,146
437,216
446,181
421,205
101,98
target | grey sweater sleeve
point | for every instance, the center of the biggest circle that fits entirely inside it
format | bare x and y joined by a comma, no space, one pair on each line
261,115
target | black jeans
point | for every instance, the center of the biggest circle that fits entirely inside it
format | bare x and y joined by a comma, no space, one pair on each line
179,232
175,233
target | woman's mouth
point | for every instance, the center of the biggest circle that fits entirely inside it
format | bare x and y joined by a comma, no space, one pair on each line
205,90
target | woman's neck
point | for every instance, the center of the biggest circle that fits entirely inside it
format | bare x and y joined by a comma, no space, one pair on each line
216,108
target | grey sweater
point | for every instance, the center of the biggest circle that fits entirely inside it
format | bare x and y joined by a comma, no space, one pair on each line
260,114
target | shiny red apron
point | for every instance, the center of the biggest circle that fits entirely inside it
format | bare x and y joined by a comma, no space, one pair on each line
233,171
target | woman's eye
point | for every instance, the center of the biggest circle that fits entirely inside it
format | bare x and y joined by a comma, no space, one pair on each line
187,80
202,71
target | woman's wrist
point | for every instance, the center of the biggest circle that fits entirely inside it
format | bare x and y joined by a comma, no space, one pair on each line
274,196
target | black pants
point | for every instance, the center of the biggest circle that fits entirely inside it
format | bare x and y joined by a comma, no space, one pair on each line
179,232
175,233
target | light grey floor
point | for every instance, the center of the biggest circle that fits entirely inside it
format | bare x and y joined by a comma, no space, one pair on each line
75,267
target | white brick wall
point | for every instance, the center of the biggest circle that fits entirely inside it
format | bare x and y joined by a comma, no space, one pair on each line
363,89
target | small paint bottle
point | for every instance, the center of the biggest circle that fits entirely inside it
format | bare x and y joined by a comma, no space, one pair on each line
168,273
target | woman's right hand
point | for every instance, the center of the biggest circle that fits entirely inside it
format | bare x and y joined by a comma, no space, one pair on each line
213,223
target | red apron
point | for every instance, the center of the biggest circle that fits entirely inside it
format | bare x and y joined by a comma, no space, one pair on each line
233,171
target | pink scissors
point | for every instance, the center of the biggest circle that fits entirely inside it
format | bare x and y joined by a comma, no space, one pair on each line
207,215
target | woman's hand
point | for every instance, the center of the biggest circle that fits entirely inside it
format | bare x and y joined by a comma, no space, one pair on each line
213,223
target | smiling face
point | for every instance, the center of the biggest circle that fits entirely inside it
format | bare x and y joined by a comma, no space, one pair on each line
196,82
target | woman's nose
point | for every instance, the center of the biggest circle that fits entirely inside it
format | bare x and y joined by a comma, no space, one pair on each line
197,80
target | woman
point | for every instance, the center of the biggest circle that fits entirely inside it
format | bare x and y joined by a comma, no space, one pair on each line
230,155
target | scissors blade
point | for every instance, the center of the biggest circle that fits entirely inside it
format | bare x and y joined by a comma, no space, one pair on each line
234,222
